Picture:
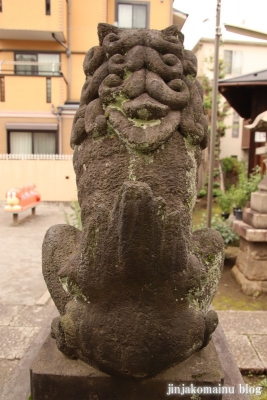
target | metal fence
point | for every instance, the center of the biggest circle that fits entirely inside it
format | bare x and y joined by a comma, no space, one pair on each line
35,156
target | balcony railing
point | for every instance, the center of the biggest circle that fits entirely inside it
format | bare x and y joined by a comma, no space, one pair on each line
30,68
61,157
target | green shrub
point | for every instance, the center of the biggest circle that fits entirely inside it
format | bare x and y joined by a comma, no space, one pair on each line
216,192
230,164
216,185
225,201
202,193
74,218
246,185
224,227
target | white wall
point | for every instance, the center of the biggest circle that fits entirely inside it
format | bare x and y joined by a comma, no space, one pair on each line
54,179
254,58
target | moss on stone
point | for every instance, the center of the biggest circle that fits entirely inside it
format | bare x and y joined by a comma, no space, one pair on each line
142,123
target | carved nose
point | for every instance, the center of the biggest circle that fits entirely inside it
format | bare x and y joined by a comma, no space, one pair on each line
145,107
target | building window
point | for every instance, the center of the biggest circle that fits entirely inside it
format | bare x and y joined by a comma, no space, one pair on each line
47,7
132,14
37,64
21,142
232,62
2,88
235,128
48,90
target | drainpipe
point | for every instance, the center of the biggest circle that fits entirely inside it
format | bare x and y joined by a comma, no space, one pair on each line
171,12
68,48
59,118
106,11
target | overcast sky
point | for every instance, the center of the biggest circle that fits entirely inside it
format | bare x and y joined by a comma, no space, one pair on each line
250,13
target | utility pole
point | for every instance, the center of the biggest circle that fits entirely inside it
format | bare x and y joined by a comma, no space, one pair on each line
214,112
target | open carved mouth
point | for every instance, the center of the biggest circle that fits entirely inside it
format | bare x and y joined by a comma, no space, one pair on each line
145,134
143,120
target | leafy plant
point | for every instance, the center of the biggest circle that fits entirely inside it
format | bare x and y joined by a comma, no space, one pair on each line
230,164
225,201
216,192
246,185
222,226
239,198
74,217
202,193
263,383
216,185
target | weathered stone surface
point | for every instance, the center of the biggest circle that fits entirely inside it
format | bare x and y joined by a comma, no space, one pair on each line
249,233
254,250
259,202
134,287
248,287
55,377
255,219
252,269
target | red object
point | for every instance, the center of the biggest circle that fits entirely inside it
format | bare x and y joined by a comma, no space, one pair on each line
19,198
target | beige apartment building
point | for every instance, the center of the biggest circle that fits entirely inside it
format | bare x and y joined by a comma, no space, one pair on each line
240,58
42,48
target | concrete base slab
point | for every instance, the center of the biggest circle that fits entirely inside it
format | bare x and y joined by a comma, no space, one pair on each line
6,366
259,342
248,287
252,269
245,354
15,340
259,202
55,377
240,322
249,233
255,219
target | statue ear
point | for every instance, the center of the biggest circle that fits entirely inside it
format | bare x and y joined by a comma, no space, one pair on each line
104,29
173,31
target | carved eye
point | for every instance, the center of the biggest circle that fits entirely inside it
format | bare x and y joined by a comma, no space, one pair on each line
172,39
112,37
176,84
112,81
117,59
170,59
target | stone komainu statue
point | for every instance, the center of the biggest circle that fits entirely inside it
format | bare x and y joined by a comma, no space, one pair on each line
134,287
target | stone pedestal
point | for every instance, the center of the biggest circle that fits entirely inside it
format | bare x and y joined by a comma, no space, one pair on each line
55,377
250,270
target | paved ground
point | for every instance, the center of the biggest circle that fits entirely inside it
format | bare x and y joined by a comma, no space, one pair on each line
25,303
24,300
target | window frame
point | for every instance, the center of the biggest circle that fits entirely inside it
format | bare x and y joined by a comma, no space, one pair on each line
36,73
236,125
47,7
2,89
48,86
230,68
133,3
32,131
